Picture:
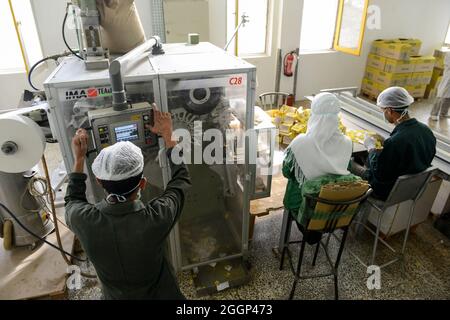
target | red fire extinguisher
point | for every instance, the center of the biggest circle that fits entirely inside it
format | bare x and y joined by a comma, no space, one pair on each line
289,60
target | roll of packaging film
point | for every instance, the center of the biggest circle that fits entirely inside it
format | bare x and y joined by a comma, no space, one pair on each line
22,143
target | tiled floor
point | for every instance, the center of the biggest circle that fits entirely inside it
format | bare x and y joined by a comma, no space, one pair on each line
427,276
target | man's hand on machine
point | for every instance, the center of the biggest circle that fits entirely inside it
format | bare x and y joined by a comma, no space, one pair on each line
162,126
79,146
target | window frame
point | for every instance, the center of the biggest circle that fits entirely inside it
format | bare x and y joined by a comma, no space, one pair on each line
336,46
269,22
20,40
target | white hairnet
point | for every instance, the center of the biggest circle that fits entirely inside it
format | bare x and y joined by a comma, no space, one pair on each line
395,98
120,161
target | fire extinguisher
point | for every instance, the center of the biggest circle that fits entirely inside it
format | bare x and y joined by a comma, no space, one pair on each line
289,64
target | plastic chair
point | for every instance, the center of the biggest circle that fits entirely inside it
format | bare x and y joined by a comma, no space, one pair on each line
338,217
408,187
272,100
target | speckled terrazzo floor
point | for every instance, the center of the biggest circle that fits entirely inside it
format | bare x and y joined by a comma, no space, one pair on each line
427,270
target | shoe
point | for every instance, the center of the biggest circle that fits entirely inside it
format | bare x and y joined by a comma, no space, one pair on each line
445,116
434,118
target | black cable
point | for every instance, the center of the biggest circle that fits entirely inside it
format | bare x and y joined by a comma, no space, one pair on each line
34,67
38,237
64,37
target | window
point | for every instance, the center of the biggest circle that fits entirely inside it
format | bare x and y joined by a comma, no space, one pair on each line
252,36
318,25
350,26
11,58
333,24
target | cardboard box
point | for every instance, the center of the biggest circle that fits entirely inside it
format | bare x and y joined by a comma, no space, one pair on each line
376,46
370,88
398,66
415,44
371,73
423,63
440,54
285,128
387,79
375,61
394,50
437,73
420,78
417,91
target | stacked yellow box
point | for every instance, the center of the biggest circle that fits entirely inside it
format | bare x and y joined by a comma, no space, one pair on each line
291,122
397,62
436,74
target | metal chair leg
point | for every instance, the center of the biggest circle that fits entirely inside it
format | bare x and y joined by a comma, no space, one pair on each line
408,228
297,273
336,265
336,287
315,254
286,238
377,235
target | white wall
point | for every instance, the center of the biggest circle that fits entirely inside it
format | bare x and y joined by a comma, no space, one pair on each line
423,19
49,15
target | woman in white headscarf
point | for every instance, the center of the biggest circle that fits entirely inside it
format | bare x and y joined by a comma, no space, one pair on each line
323,150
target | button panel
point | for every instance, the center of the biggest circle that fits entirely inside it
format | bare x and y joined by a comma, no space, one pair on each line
103,133
150,138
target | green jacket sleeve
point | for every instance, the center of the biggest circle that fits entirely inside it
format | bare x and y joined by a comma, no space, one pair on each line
169,205
382,168
289,165
76,204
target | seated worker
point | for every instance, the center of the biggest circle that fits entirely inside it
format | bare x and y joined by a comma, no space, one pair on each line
409,150
442,104
323,150
123,237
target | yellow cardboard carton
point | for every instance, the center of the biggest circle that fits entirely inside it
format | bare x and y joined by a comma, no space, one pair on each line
440,54
375,61
423,63
392,79
394,50
376,46
371,73
370,88
414,43
398,66
419,78
417,91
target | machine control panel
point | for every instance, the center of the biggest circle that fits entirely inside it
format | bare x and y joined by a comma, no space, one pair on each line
110,126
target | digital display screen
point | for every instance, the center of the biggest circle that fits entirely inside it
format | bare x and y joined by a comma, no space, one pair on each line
128,132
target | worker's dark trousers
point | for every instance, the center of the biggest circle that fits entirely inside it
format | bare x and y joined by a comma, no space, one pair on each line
441,107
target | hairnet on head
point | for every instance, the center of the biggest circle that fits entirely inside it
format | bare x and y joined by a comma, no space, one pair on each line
120,161
395,98
325,103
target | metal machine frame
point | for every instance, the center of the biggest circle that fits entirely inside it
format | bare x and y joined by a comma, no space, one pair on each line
71,74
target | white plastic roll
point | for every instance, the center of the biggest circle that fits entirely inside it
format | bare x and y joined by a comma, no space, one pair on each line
22,143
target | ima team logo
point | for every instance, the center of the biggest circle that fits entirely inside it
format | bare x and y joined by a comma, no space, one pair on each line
76,94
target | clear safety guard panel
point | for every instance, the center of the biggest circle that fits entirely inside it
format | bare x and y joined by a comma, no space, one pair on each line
75,104
261,153
209,114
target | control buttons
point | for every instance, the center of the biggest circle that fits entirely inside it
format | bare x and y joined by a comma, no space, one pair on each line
103,133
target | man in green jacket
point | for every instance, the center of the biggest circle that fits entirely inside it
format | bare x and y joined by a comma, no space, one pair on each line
409,150
123,237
